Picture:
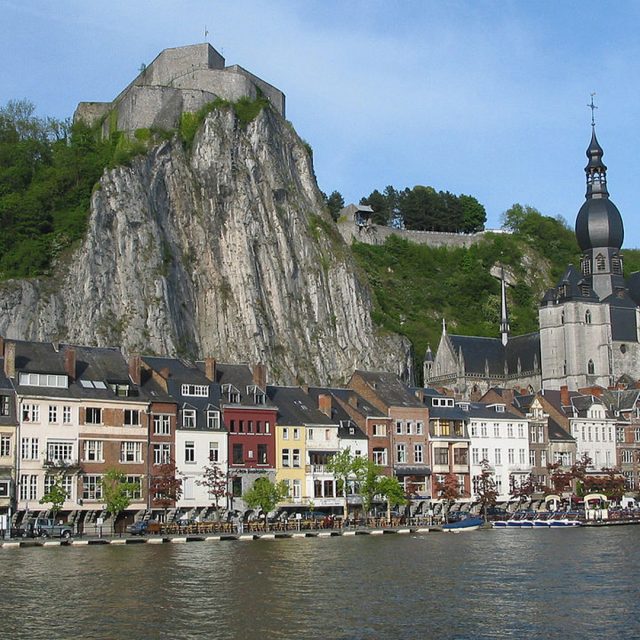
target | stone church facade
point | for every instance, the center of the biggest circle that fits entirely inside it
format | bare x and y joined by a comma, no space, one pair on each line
589,322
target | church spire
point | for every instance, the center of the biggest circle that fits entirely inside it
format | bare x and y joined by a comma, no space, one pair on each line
504,316
596,170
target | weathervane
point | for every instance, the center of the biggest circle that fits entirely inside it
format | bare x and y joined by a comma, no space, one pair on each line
206,33
593,108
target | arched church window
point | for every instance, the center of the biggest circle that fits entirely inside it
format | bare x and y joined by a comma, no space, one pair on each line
562,317
587,317
601,263
591,368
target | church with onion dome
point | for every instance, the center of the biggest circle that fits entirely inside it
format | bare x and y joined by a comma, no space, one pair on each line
589,322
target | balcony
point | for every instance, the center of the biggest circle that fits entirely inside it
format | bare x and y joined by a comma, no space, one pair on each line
61,464
318,469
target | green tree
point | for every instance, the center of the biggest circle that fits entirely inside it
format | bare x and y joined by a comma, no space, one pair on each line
474,214
344,465
117,492
393,492
367,476
335,203
265,495
55,495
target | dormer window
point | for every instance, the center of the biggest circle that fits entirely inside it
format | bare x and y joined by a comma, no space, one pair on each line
231,393
213,419
43,380
189,418
195,390
499,408
121,390
257,393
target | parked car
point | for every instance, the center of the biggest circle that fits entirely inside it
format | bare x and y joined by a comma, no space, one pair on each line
142,527
44,527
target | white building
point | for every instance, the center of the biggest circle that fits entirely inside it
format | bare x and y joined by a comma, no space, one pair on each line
502,439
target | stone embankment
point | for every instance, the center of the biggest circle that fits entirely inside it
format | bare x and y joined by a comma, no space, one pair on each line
248,536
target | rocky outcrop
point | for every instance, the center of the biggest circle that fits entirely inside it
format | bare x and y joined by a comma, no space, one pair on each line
222,250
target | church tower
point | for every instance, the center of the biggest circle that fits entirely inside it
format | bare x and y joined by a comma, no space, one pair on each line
589,322
599,229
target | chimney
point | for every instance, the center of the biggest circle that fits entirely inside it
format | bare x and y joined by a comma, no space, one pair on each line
210,369
135,369
10,359
70,362
324,404
260,375
564,395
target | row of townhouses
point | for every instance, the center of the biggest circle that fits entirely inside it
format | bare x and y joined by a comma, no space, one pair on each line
74,412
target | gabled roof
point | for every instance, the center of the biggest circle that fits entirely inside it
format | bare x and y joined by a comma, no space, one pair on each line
296,408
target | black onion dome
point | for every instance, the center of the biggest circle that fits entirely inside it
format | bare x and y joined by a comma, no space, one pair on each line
599,224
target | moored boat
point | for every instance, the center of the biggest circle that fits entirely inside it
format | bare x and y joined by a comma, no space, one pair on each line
470,523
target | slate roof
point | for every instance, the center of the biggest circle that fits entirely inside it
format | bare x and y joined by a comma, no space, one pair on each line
103,365
239,376
478,410
479,352
183,372
557,433
620,399
296,408
362,406
390,389
179,370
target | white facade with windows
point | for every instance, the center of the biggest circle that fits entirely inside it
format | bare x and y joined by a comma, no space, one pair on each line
501,438
195,450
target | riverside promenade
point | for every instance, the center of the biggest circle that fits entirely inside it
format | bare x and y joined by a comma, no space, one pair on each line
236,537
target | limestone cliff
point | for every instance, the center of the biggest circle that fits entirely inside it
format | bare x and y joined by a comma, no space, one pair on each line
222,250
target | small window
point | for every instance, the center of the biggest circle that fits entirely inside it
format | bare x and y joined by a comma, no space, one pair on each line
601,263
93,415
587,317
591,368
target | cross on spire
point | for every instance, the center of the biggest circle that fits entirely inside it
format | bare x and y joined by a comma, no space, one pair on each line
593,108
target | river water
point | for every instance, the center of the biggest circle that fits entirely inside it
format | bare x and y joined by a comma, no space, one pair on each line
578,583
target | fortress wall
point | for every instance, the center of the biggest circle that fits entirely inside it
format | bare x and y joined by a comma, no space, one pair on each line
377,235
159,107
275,96
91,112
179,61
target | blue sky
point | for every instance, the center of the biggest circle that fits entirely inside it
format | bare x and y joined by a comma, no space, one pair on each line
482,98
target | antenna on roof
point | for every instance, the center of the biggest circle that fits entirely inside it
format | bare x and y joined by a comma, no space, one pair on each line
206,32
593,108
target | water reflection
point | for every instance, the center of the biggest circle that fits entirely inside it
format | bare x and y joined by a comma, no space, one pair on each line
506,584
